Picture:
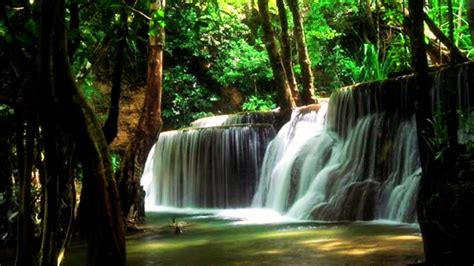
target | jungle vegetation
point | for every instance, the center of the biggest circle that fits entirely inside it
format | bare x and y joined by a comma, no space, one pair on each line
192,58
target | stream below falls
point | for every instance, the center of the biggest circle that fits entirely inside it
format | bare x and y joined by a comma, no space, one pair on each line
259,236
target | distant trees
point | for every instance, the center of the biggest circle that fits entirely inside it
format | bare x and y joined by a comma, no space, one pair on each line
281,59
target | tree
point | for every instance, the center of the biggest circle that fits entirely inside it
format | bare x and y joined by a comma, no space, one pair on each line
65,119
286,57
307,96
150,122
285,98
445,194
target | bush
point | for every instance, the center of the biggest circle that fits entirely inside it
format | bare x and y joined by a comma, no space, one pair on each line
184,100
256,103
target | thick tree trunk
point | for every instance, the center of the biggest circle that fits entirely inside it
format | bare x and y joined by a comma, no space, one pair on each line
428,182
285,98
111,124
307,96
286,56
65,111
440,206
149,126
49,130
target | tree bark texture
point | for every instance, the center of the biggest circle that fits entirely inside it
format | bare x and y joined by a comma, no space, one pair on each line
285,98
64,113
148,128
286,57
307,96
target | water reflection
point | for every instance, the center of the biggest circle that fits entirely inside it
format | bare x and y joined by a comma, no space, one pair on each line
216,239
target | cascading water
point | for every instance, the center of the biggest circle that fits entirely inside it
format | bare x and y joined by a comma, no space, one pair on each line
281,153
364,165
355,158
368,174
207,167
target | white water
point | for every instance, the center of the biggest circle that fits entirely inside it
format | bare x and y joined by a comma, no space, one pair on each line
208,167
364,165
356,161
281,154
335,173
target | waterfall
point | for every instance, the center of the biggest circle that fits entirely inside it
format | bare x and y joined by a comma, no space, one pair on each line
235,119
212,167
352,158
364,163
369,171
282,152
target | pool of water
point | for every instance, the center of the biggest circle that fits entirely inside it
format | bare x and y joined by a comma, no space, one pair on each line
262,237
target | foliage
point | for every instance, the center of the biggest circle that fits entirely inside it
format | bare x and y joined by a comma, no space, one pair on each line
115,161
329,29
439,14
243,66
371,67
256,103
339,53
157,21
184,100
438,144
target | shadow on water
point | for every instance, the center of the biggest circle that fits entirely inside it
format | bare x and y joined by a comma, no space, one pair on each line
208,239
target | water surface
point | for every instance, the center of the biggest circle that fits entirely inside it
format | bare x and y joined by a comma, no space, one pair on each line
235,237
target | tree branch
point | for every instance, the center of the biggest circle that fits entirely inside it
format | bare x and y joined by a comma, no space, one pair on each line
457,55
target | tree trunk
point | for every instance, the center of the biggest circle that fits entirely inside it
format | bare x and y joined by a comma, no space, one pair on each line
367,22
285,98
111,124
49,130
307,96
441,243
64,112
286,56
149,126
